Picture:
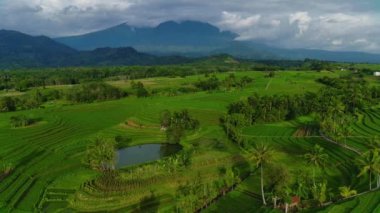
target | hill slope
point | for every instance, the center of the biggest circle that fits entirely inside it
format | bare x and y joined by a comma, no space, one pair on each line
18,50
187,36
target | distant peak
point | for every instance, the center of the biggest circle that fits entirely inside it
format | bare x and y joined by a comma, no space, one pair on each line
167,24
123,25
188,26
184,23
195,22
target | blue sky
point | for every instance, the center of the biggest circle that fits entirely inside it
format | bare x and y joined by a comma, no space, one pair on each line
319,24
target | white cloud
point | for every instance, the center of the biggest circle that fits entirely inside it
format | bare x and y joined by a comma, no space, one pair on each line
360,41
302,19
275,23
337,42
54,17
284,23
341,18
238,22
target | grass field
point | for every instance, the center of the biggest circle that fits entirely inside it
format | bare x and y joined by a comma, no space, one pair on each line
49,173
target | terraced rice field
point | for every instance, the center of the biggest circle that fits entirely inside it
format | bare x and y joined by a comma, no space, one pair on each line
49,174
48,156
365,203
365,130
341,169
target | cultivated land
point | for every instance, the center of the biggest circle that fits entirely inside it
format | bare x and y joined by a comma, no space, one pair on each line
49,174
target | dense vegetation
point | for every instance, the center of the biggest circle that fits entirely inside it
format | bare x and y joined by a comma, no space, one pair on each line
22,121
22,79
334,110
90,92
176,124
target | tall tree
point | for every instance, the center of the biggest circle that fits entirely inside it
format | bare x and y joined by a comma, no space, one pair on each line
262,155
375,145
317,158
369,163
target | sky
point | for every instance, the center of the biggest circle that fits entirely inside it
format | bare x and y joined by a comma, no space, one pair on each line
344,25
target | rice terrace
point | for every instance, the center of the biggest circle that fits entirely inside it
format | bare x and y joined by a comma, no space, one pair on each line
246,110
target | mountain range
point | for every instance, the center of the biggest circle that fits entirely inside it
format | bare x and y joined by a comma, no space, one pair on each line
192,38
168,37
19,50
127,45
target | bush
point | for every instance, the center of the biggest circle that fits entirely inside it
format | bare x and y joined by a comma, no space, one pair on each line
95,91
5,169
176,124
22,121
101,155
122,141
209,84
140,89
7,104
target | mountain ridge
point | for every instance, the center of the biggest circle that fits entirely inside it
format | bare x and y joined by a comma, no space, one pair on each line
196,39
22,50
198,35
19,50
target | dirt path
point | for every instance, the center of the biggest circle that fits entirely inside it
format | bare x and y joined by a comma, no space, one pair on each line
339,144
268,84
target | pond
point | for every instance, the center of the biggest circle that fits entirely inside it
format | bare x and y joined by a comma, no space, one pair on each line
145,153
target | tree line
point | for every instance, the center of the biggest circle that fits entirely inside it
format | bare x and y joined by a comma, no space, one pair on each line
334,107
83,93
23,79
231,81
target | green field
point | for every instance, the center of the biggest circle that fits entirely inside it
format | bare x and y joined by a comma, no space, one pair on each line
49,173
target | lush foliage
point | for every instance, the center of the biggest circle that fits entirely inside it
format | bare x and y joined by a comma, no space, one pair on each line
87,93
22,121
176,124
101,155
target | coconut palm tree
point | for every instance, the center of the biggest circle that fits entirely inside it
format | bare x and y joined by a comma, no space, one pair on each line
369,163
317,158
375,145
262,155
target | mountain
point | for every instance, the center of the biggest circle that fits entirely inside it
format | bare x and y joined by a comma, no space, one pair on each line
192,38
124,45
168,37
122,56
19,50
260,51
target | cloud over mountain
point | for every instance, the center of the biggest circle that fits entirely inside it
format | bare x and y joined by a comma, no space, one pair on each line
332,25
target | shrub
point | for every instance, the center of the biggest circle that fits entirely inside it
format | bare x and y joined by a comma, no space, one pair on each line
22,121
101,155
6,168
7,104
95,91
176,124
140,89
209,84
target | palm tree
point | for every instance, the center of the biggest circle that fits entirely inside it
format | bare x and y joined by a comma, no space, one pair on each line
369,163
317,158
375,145
261,155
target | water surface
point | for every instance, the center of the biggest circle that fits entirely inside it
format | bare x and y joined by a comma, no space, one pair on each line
145,153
